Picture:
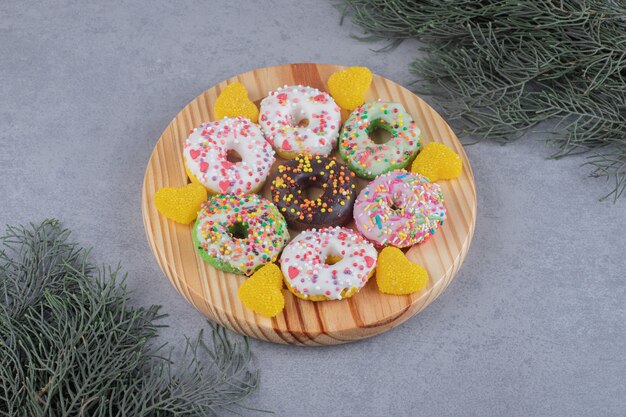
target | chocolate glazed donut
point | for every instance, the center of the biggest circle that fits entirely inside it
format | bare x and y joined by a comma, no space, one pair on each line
291,192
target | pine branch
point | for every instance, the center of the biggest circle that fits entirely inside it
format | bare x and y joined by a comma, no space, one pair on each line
72,345
500,68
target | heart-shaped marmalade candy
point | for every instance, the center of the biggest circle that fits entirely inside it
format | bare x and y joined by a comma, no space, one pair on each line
395,274
180,204
262,292
233,101
437,162
348,87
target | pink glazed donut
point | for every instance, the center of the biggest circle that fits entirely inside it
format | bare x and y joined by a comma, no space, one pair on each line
399,209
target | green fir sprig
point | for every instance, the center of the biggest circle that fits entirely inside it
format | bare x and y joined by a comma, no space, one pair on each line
500,68
71,344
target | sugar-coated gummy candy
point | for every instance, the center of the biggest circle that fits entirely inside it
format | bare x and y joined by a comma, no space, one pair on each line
348,87
233,101
396,274
437,162
262,292
180,204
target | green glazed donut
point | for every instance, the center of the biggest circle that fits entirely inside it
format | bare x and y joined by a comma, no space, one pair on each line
369,159
239,233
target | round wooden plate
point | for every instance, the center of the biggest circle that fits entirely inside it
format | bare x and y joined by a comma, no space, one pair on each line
366,314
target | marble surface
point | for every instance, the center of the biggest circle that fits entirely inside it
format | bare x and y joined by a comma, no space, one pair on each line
535,321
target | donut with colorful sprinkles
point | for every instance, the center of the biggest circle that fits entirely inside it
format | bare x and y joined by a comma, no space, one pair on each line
298,119
290,192
368,158
327,264
208,148
399,209
239,233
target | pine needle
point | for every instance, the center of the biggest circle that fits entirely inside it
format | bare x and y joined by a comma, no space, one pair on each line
500,68
71,344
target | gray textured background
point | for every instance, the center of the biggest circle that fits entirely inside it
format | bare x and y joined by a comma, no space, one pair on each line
534,323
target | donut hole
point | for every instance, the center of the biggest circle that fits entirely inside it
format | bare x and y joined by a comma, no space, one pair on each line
303,122
313,192
332,259
394,205
379,132
233,156
238,230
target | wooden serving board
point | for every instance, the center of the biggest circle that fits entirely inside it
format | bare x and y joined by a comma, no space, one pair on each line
366,314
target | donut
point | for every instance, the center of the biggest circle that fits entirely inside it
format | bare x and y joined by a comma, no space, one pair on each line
284,117
206,152
327,264
332,208
239,232
369,159
399,209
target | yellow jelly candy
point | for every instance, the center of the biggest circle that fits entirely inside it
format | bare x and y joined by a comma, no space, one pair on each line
262,293
348,87
233,101
437,162
395,274
180,204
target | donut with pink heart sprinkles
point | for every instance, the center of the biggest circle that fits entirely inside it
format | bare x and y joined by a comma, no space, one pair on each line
210,151
298,119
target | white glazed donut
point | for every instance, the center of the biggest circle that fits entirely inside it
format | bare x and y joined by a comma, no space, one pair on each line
206,149
281,112
309,275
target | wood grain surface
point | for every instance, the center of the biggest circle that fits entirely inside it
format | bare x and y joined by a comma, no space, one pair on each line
366,314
